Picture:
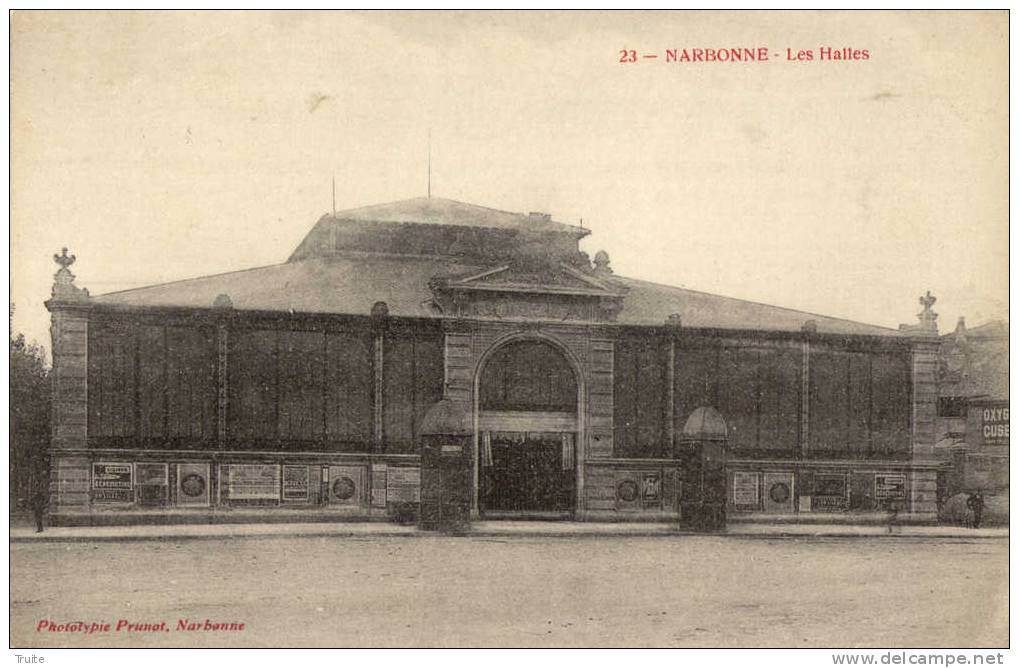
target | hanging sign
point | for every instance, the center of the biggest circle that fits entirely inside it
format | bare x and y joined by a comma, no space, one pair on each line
295,483
112,483
994,424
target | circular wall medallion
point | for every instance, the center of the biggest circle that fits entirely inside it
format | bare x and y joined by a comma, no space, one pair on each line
627,491
344,488
192,485
779,492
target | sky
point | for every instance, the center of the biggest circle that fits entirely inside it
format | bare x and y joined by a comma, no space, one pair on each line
161,146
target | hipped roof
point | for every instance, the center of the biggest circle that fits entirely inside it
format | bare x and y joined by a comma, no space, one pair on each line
352,284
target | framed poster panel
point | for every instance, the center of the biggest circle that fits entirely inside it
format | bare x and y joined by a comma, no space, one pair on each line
152,483
346,485
627,486
746,491
379,485
651,489
112,482
251,482
193,484
778,492
831,492
890,490
296,483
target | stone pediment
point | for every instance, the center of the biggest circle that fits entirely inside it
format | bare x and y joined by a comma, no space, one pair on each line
551,292
560,279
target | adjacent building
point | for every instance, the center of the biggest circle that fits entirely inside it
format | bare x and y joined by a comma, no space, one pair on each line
973,423
299,389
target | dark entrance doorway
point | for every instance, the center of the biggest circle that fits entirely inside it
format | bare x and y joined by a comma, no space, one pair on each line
527,441
527,472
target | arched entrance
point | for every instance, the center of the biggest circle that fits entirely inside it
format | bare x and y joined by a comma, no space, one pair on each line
527,400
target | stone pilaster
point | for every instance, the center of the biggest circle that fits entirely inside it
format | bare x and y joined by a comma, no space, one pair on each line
925,378
69,308
925,396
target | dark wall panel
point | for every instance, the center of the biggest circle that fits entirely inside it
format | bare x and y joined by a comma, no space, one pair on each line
191,382
780,399
737,394
152,381
301,385
349,388
412,381
624,398
652,397
640,398
429,374
859,402
891,388
696,381
252,387
111,381
398,394
829,401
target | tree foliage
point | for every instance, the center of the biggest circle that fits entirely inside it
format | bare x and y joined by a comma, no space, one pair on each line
29,417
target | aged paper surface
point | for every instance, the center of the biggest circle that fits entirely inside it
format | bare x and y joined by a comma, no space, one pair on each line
803,163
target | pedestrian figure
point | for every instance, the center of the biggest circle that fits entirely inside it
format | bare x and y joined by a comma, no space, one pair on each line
893,515
39,507
975,503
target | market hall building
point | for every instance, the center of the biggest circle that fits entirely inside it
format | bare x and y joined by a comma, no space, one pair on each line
310,388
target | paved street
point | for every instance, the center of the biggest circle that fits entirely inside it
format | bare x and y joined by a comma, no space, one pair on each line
519,591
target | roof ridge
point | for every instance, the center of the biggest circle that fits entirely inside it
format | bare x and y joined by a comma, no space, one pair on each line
523,216
751,301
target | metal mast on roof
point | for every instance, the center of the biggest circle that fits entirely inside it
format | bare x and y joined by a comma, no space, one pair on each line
334,195
429,163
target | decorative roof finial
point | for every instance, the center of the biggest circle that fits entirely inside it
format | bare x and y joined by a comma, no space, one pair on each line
601,263
64,260
64,289
928,318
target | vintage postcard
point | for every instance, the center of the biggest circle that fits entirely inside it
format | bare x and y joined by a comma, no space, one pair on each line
633,329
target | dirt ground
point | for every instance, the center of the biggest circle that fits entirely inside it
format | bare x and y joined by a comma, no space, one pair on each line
685,591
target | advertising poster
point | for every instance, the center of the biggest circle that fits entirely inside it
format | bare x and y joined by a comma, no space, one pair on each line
889,487
112,483
778,492
152,480
746,490
148,473
295,483
193,484
346,485
252,482
830,492
994,424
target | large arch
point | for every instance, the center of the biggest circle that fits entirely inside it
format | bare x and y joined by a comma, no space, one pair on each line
572,420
